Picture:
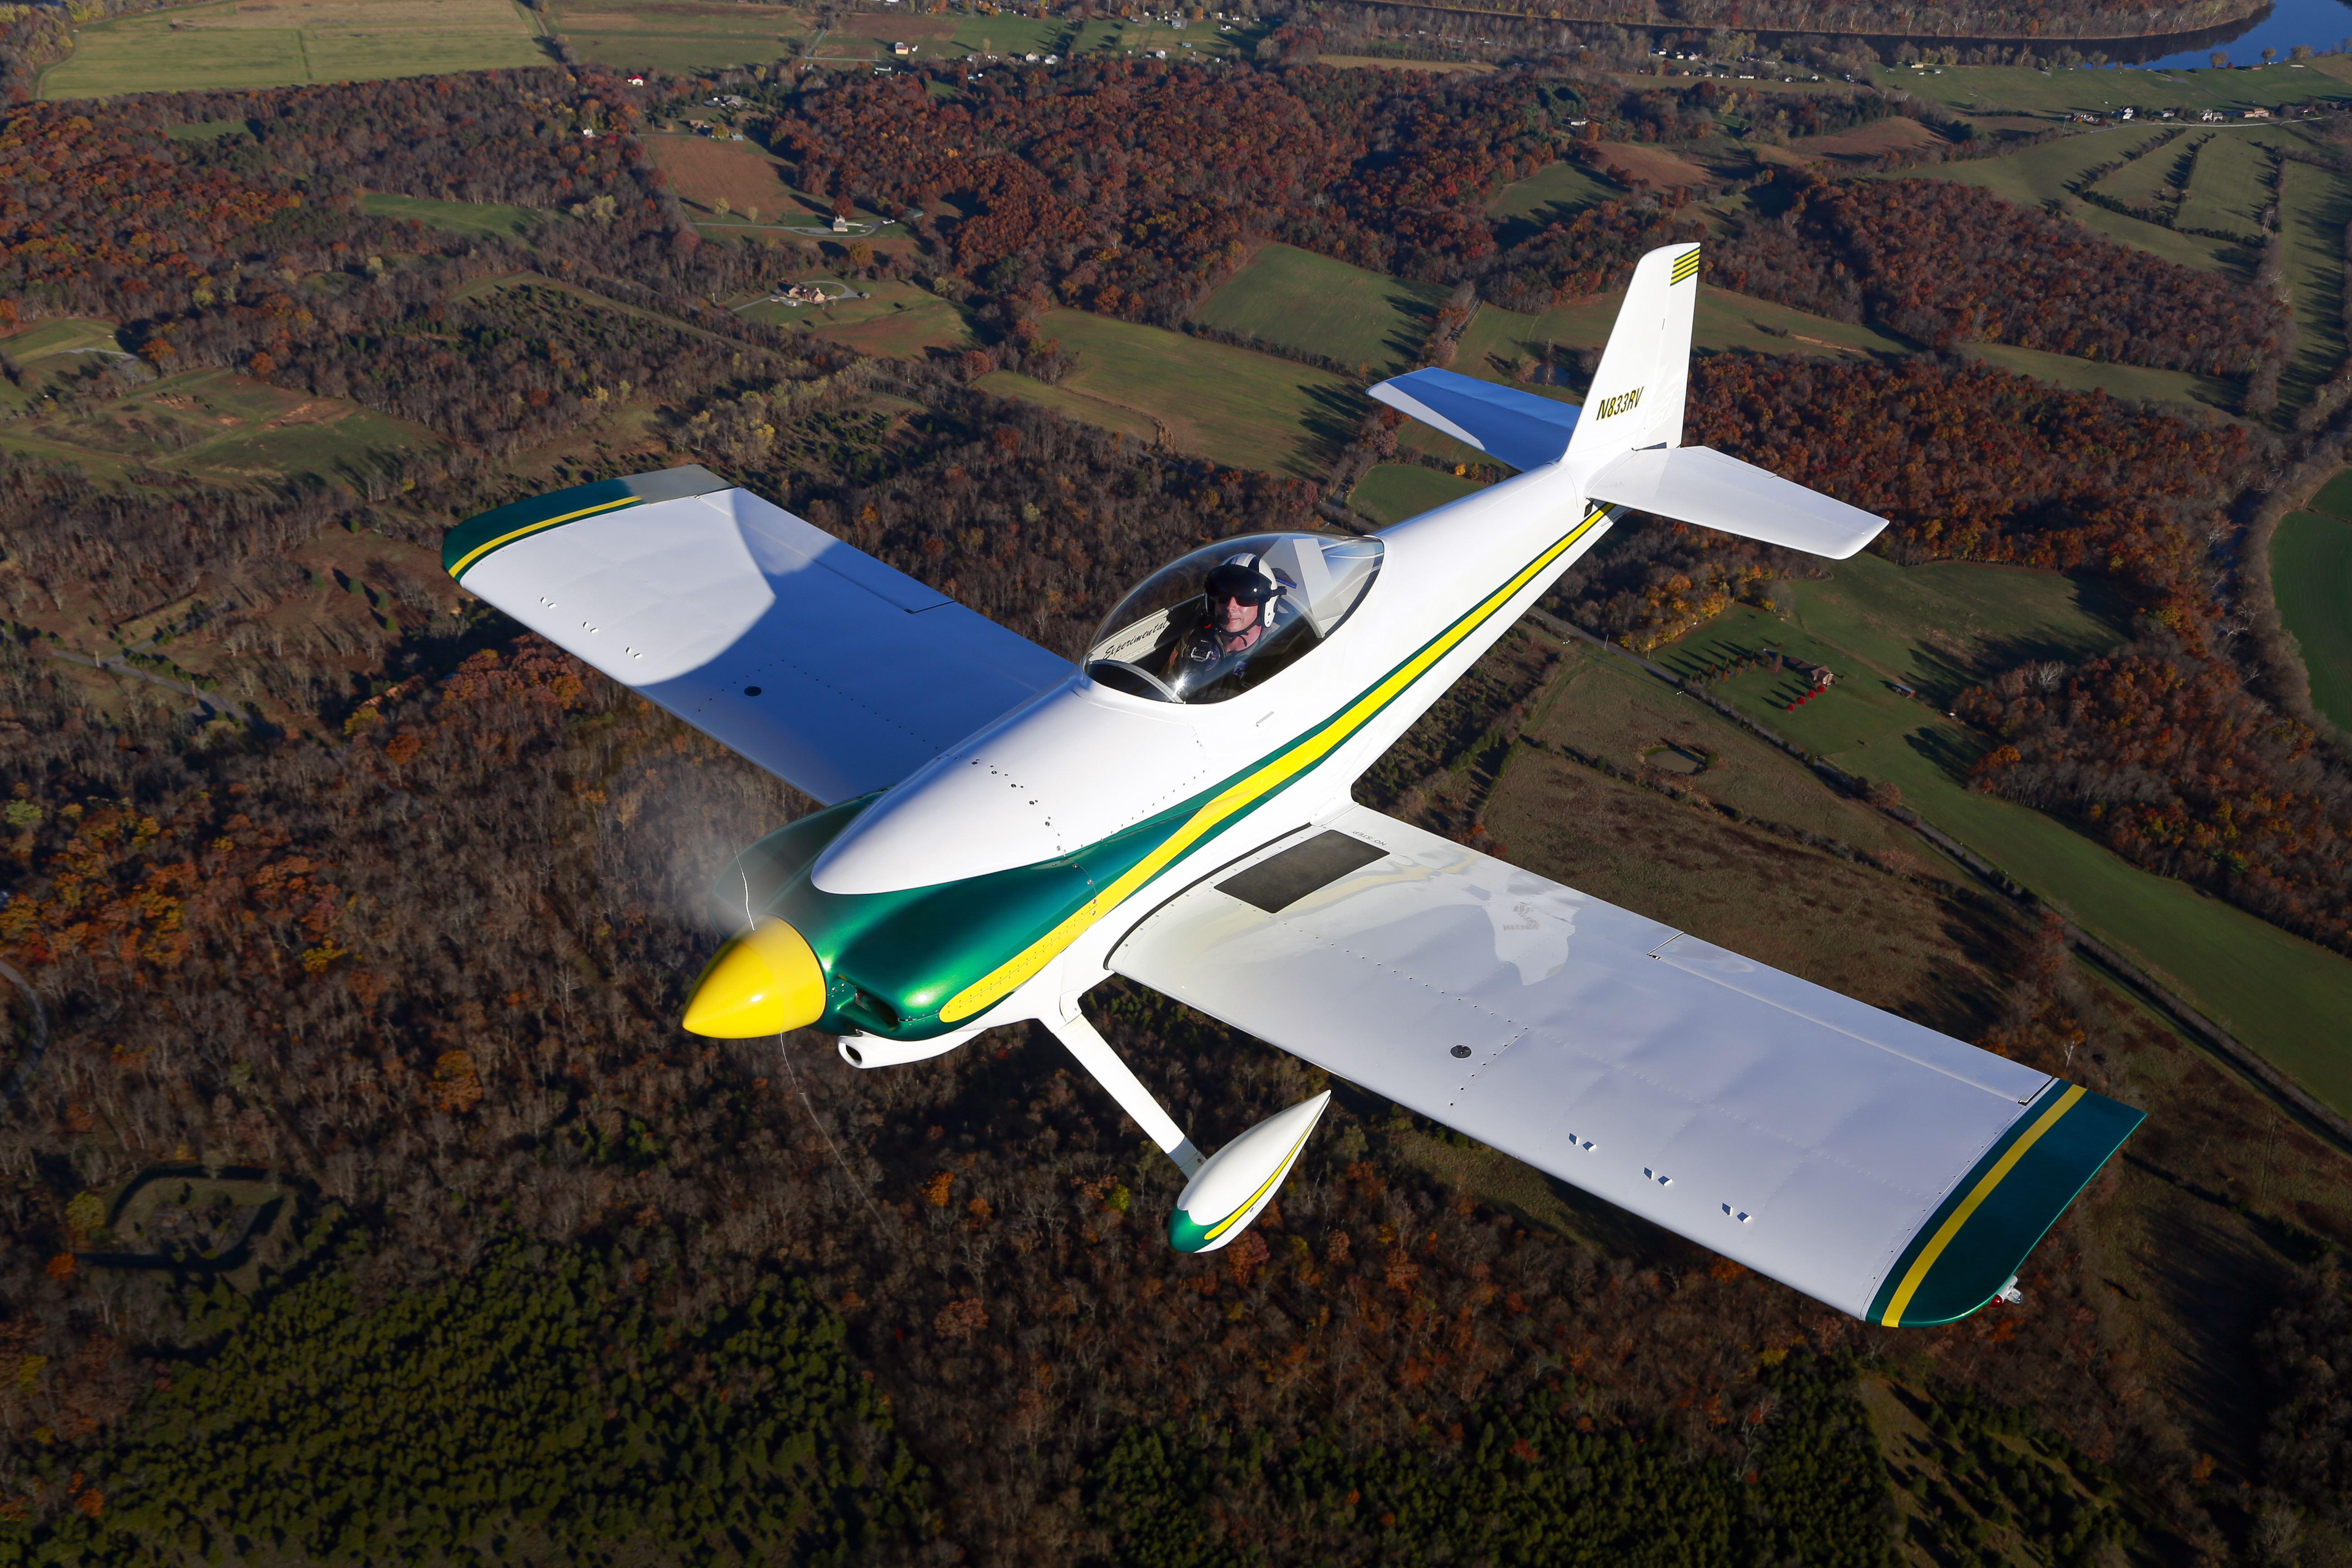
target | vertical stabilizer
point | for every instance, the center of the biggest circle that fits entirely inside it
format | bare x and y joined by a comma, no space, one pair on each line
1636,399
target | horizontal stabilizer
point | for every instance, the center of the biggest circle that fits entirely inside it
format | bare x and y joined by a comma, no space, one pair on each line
1697,484
1522,429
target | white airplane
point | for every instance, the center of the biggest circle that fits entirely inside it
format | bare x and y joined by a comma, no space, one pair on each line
1002,832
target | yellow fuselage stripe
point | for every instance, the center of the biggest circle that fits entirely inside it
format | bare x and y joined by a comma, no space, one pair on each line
1008,976
1959,1217
480,551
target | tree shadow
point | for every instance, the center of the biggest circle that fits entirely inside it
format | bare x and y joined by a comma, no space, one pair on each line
1332,415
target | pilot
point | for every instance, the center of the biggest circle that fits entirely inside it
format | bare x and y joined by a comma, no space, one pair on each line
1243,602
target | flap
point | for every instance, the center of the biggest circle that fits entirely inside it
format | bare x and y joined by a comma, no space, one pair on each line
1697,484
1519,428
835,672
1837,1148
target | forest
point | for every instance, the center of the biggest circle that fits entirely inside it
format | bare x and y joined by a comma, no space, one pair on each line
404,914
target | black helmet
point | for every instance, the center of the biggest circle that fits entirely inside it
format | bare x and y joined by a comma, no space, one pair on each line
1243,577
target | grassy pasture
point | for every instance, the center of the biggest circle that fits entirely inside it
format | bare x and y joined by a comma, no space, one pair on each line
896,318
705,172
2040,174
218,426
1392,492
1497,338
1934,627
2311,575
681,35
1248,410
1605,705
1298,299
2204,393
494,218
278,42
2093,89
1553,194
44,349
2315,211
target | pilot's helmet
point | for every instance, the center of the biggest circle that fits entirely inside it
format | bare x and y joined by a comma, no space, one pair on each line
1245,577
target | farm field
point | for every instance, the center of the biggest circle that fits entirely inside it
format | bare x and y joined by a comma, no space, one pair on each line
1876,622
896,318
51,348
1228,405
2315,211
276,43
743,174
218,426
1496,339
2206,394
1301,300
2018,88
681,35
1553,194
1629,163
1895,133
1605,705
495,219
1390,492
2311,576
2039,175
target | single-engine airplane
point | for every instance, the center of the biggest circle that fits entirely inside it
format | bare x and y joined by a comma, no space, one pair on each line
1001,832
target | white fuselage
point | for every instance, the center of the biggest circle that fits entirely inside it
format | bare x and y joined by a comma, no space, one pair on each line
1081,762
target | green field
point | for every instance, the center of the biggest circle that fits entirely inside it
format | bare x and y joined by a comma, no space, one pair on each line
680,35
2205,393
290,42
1394,491
462,217
2313,214
895,318
1297,299
1553,194
1938,628
1497,338
2311,577
2088,89
1248,410
218,426
50,348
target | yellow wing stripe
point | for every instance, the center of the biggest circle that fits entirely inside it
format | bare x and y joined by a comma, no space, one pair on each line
1685,266
1265,1187
481,550
1959,1217
1008,976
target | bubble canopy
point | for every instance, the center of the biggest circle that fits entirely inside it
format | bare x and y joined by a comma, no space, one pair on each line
1230,615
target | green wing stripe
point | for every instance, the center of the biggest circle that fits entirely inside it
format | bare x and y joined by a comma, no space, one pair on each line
477,536
1979,1235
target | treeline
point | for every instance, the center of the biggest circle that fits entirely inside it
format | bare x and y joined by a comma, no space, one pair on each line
1969,462
2166,757
1943,262
1130,188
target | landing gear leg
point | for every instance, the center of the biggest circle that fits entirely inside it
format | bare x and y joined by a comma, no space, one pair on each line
1094,1054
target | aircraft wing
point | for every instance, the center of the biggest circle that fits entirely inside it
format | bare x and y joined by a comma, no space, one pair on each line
836,673
1873,1164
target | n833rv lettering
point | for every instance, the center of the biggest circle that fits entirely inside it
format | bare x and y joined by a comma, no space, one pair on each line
1002,832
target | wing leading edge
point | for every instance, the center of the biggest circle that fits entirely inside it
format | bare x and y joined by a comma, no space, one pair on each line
836,673
1876,1165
